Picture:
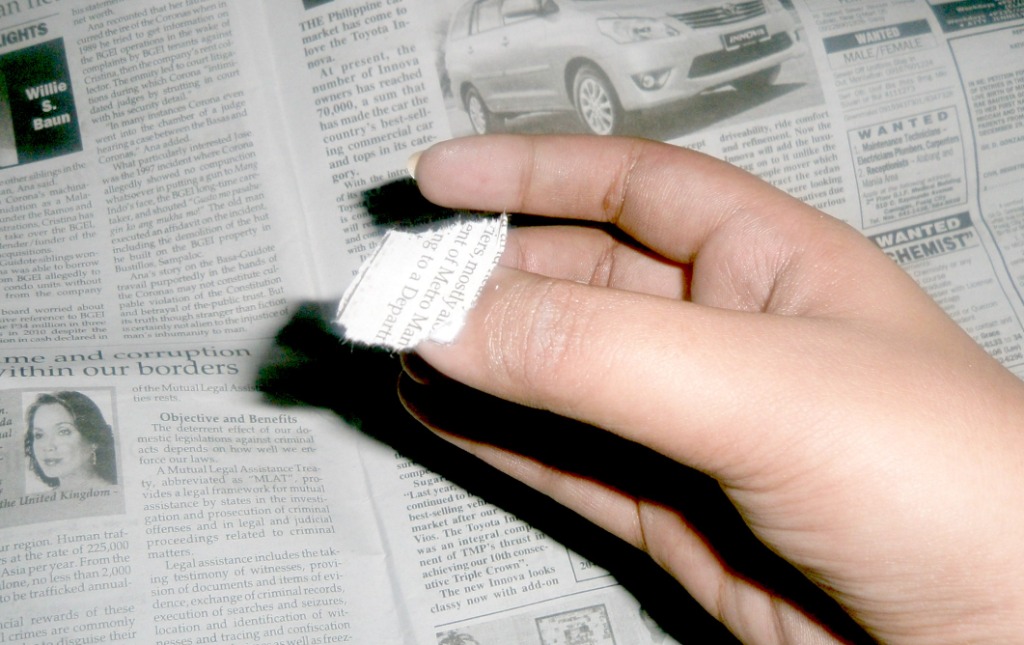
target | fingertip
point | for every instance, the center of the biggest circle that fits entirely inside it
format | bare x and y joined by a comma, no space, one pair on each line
472,173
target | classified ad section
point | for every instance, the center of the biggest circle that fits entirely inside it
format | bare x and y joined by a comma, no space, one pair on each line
930,99
946,256
993,80
137,507
905,129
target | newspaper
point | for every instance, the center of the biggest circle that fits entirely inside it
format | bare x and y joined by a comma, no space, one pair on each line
420,285
178,176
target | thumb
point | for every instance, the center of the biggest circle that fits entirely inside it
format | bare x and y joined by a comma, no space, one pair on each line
683,379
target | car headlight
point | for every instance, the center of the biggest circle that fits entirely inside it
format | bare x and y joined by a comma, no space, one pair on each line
634,30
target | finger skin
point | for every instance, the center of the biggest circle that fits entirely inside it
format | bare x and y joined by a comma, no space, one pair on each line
594,257
580,352
596,355
845,415
781,427
704,209
608,180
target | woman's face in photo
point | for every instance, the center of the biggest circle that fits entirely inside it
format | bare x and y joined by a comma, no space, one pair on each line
57,444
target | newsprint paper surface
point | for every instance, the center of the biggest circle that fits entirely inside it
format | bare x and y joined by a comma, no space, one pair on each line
178,178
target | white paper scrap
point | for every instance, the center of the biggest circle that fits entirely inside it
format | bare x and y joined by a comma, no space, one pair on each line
421,285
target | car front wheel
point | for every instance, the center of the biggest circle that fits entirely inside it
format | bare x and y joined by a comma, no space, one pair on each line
596,101
480,117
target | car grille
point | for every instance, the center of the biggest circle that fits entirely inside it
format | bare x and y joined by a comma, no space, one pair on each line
720,61
723,15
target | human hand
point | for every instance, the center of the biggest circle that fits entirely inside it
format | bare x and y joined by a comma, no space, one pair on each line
861,434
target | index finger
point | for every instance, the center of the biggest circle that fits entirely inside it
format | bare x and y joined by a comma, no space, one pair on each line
618,180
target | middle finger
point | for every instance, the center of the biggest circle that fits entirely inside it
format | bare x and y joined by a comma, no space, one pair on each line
594,257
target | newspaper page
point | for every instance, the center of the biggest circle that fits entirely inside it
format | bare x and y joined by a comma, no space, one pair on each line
178,175
868,111
153,242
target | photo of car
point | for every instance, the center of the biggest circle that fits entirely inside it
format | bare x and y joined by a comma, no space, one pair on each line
607,60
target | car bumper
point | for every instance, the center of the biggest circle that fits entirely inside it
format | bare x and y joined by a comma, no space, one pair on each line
691,64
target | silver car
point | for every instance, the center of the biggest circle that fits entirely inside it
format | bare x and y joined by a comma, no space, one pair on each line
607,58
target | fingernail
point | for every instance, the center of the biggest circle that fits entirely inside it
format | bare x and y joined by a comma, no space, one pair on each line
413,161
417,369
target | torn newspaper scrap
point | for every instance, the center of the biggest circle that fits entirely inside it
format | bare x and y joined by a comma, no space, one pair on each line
420,285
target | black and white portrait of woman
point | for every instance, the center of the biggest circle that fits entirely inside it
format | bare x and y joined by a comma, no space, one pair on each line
69,443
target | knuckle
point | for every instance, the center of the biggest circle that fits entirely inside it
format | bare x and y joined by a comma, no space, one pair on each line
540,334
603,273
616,194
